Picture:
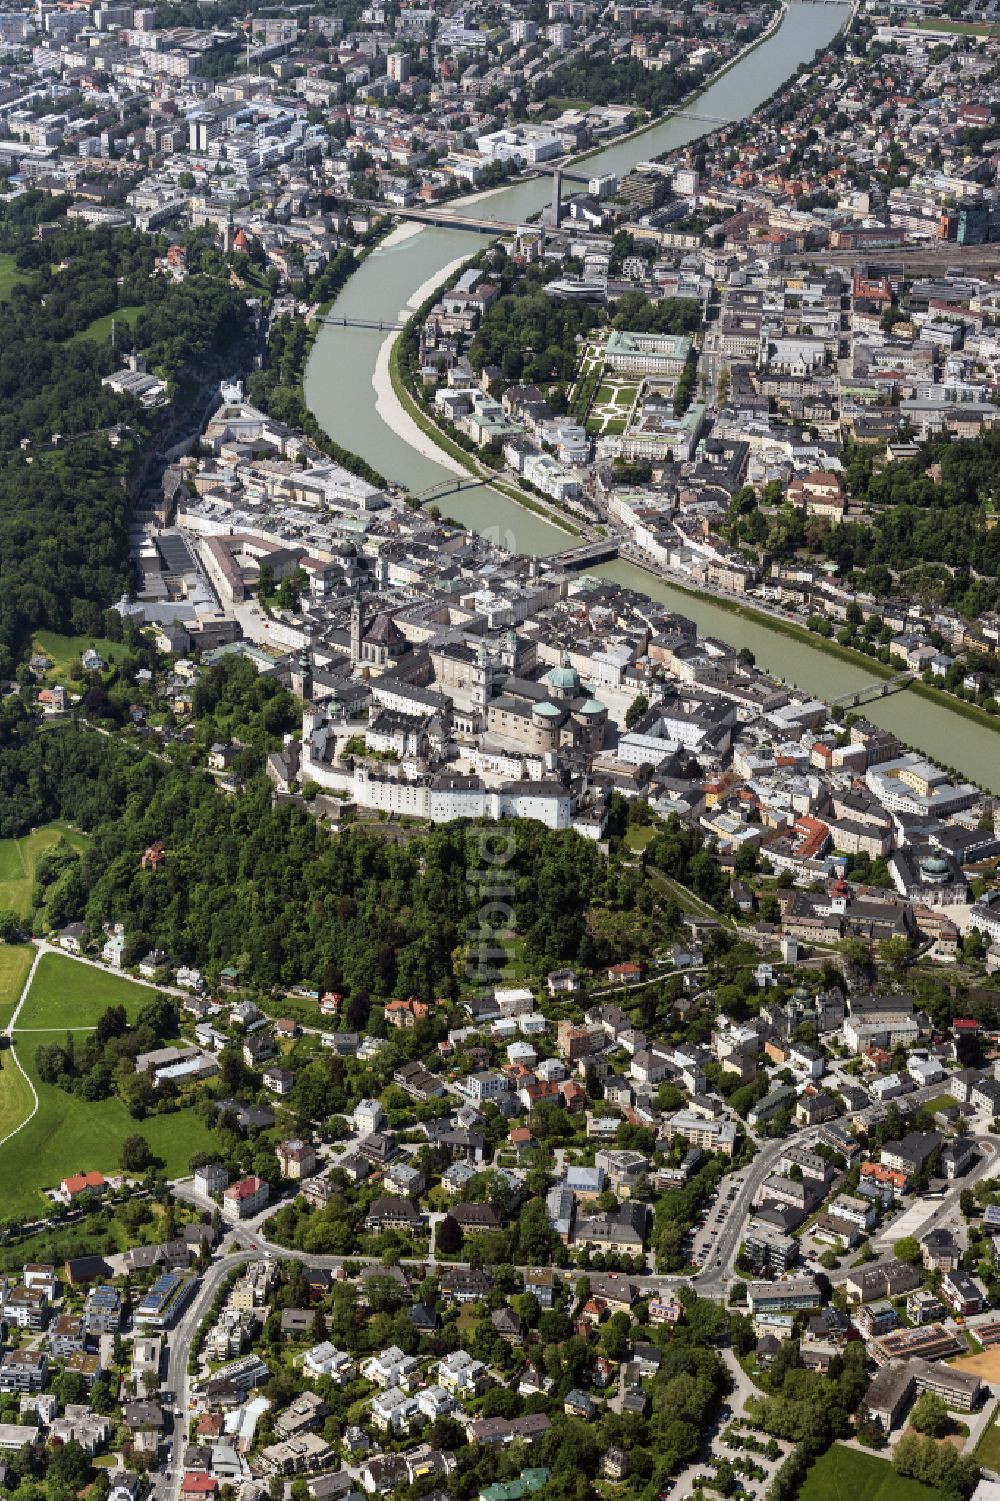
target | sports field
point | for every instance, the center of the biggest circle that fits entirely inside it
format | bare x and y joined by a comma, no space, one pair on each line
959,28
985,1365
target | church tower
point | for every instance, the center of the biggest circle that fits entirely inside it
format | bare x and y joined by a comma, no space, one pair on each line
302,677
483,677
357,627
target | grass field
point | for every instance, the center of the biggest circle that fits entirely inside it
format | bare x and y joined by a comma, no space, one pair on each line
15,1097
15,1091
15,961
843,1474
684,897
100,329
64,651
70,1135
11,862
9,276
19,860
66,993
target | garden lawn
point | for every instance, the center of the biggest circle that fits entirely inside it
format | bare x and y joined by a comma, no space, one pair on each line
15,962
66,993
843,1474
941,1102
69,1135
64,651
19,860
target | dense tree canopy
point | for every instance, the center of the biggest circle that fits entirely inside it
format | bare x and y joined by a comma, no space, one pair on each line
63,509
929,527
267,888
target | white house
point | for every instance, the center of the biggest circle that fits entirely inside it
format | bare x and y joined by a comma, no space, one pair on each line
369,1117
391,1368
325,1359
460,1374
532,1025
924,1070
210,1179
394,1410
434,1402
516,1001
114,948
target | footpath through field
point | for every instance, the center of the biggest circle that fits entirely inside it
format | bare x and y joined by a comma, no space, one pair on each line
16,1092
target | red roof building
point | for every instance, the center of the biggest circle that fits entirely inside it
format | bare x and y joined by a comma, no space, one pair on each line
80,1183
243,1199
197,1484
628,973
407,1013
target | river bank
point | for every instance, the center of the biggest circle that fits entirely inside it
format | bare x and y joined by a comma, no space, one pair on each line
451,454
377,235
388,402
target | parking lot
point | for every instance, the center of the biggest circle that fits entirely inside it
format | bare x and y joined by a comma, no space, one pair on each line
702,1243
754,1457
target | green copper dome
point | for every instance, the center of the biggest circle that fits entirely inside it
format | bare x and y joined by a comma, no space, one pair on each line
564,677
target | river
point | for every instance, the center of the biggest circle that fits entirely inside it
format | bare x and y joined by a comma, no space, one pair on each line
339,389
